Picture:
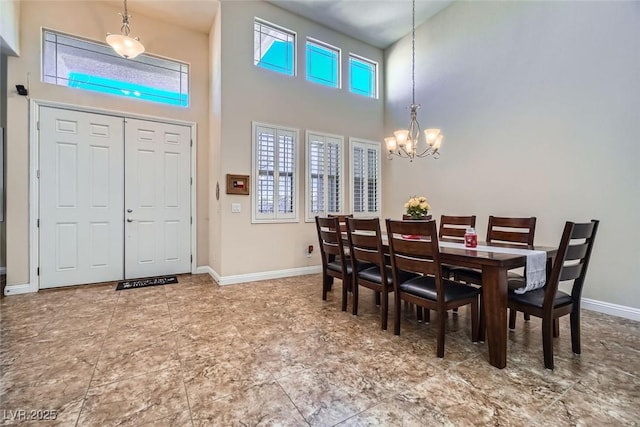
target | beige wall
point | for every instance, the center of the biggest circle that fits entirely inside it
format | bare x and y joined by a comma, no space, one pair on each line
215,107
92,20
539,105
10,27
251,94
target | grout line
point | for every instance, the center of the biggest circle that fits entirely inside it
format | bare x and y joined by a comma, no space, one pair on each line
291,400
180,361
104,339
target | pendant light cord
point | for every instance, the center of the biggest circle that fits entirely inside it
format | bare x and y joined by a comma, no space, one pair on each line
413,55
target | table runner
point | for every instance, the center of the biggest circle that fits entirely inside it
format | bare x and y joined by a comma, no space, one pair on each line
536,269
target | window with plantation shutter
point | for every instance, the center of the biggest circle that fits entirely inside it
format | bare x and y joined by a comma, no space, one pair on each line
365,178
275,174
324,175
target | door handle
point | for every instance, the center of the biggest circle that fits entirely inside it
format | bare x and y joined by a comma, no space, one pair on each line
129,210
129,219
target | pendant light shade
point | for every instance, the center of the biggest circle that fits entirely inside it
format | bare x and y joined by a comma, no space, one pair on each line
122,44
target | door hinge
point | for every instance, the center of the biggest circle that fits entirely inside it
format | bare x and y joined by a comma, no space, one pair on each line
38,173
191,258
38,124
191,144
190,181
38,222
38,271
191,220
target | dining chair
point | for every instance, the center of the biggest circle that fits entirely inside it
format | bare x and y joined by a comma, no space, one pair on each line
366,248
429,289
516,232
335,264
549,303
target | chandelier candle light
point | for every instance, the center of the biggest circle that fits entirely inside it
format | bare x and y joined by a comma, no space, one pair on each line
125,46
405,143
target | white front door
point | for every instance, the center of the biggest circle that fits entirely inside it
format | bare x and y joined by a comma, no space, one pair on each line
81,204
157,199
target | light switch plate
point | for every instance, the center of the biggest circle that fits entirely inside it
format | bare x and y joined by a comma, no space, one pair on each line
235,207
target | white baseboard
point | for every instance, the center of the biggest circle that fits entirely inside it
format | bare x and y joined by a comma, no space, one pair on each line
264,275
612,309
19,289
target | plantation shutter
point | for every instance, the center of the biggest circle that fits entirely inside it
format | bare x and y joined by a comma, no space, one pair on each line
365,178
324,175
275,173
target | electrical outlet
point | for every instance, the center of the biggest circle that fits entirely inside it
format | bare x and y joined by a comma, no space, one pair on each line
309,250
235,207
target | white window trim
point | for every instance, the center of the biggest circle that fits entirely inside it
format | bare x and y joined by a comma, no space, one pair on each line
310,216
376,71
330,47
255,217
283,29
354,142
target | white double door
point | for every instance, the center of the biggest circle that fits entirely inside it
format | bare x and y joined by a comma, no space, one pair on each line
115,198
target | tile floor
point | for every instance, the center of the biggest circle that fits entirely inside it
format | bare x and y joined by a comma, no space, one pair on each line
273,353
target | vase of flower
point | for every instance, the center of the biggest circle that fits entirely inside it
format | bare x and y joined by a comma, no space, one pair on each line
417,208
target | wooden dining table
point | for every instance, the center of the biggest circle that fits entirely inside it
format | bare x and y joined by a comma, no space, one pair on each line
494,266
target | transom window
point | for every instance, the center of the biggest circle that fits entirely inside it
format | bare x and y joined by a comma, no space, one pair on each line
363,76
323,63
324,174
273,47
83,64
275,177
365,178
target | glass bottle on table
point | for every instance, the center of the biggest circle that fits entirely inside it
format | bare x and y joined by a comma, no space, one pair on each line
471,238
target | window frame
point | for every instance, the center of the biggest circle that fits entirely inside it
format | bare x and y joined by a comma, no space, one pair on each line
275,217
376,77
323,45
102,48
276,27
366,144
339,139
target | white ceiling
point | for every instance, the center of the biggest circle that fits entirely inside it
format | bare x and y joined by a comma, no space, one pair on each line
377,22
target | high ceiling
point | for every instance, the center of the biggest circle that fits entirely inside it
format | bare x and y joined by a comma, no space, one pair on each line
377,22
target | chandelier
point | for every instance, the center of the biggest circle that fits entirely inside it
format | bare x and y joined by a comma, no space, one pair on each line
406,142
125,46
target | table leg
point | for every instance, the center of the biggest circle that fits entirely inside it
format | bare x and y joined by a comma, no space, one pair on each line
494,295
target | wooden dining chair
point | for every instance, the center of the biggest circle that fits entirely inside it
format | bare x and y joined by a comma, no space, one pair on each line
454,227
516,232
335,264
549,303
365,246
429,289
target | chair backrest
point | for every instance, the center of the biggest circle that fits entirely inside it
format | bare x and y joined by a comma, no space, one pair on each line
342,218
515,231
420,256
454,227
329,239
572,260
365,242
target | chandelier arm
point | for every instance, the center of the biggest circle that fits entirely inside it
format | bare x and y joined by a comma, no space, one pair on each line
413,52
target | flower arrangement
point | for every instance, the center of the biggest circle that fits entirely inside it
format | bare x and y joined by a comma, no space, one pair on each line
417,207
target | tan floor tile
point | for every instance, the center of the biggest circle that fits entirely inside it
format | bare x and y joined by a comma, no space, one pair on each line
135,401
388,413
264,404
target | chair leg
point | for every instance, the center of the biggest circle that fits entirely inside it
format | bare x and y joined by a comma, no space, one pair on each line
482,326
397,314
426,315
527,317
441,327
326,285
574,317
556,327
345,294
354,303
377,299
512,318
419,313
455,310
385,310
547,342
475,320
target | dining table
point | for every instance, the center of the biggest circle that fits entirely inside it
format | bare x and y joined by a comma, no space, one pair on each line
494,267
